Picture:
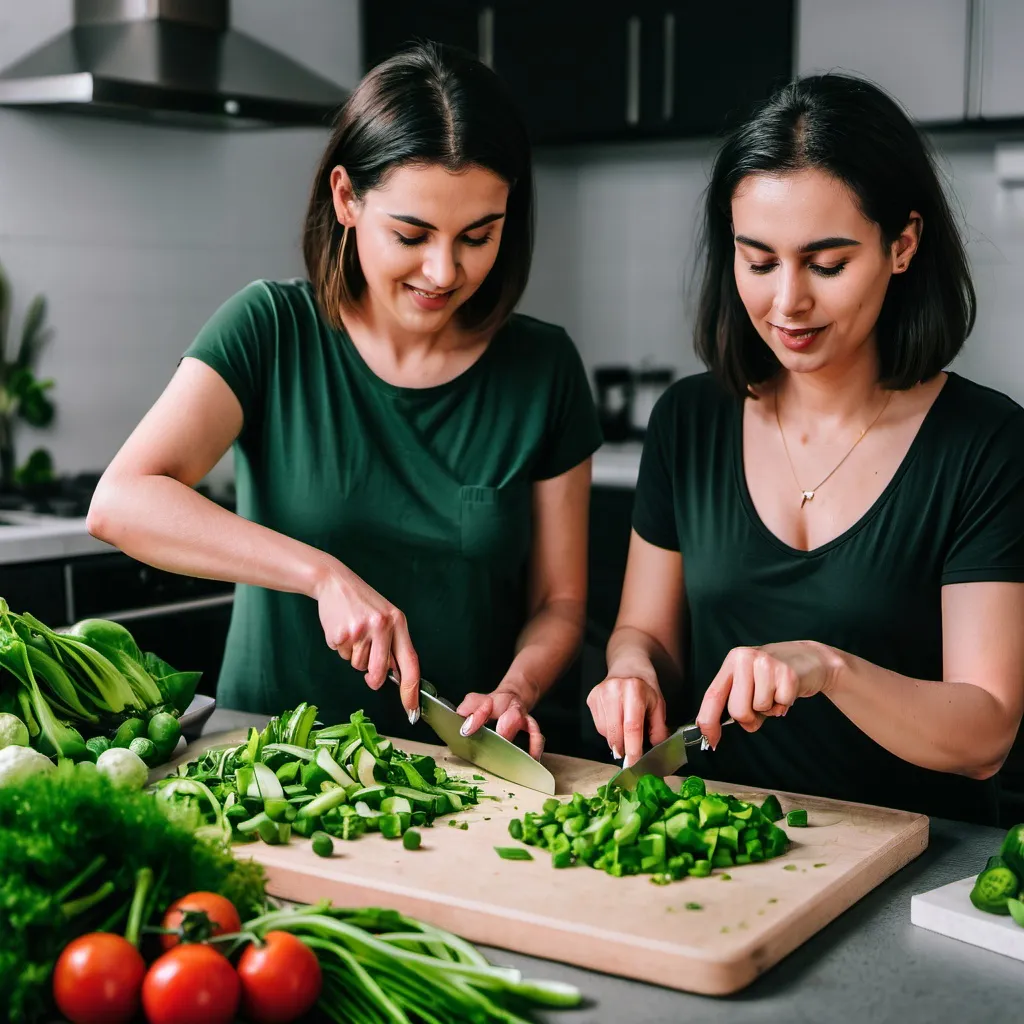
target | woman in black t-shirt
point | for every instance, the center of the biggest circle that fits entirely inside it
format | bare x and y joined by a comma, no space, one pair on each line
827,514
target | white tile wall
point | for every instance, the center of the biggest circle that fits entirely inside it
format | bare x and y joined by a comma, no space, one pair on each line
136,233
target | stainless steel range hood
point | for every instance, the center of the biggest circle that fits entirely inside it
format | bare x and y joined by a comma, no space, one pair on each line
173,61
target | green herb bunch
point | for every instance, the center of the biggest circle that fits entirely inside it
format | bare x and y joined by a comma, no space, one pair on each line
71,846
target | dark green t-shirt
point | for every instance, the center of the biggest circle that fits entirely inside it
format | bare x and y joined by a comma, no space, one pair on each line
953,513
425,493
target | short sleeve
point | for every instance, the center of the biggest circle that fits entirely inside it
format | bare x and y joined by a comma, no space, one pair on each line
988,543
654,513
573,429
236,342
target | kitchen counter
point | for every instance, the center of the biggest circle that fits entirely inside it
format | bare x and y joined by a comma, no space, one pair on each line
617,465
31,537
871,964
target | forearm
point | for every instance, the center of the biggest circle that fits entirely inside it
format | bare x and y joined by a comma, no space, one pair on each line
167,524
945,726
633,653
546,647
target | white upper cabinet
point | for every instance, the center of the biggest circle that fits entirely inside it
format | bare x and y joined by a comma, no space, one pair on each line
999,28
915,49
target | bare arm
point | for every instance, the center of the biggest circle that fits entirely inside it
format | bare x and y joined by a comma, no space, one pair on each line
967,723
551,638
964,723
646,640
146,506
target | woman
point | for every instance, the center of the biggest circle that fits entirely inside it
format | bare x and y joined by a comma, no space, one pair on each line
412,460
828,526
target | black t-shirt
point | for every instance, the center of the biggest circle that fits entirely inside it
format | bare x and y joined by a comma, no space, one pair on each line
953,513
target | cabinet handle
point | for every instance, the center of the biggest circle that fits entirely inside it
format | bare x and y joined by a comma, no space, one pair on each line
668,96
633,70
485,36
974,86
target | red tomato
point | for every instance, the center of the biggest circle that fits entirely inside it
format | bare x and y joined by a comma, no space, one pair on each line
192,984
281,979
220,910
97,979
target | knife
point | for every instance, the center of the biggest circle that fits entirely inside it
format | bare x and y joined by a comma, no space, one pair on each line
485,748
665,758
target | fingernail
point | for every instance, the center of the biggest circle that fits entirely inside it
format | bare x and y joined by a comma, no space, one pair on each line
625,762
414,716
464,731
615,754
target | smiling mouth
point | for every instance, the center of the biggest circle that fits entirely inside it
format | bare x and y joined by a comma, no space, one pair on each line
798,333
430,295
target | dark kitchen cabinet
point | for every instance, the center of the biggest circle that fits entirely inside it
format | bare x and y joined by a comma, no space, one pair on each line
717,62
388,27
580,73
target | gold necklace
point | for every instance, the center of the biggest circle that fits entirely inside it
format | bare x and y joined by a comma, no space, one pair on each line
807,496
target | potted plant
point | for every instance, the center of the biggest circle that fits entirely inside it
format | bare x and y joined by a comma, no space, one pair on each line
22,395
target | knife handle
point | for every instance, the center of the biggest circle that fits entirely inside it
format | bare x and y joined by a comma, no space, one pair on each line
692,733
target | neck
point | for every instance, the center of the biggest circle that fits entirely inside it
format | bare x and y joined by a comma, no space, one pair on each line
387,335
832,397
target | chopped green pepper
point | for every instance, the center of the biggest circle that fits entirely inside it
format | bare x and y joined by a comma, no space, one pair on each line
992,888
797,818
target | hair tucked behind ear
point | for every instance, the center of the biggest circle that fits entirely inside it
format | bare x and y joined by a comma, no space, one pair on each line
853,131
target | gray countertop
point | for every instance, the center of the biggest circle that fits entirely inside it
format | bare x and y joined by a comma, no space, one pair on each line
870,964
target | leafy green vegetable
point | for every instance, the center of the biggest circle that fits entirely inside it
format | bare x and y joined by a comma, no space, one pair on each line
345,780
652,830
381,966
71,845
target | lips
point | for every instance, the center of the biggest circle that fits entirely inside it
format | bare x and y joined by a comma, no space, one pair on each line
797,338
429,300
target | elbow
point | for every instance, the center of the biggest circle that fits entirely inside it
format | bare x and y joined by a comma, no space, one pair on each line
987,763
101,519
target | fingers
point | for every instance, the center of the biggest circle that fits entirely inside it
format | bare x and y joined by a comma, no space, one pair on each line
408,663
479,710
536,737
656,723
360,657
605,703
377,662
634,717
709,718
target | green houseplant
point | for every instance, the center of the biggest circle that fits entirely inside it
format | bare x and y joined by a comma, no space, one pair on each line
22,395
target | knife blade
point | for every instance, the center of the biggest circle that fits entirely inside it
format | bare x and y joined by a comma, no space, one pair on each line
665,758
485,748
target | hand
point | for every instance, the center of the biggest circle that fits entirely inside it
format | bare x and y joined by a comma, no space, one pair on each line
368,631
755,683
511,711
621,705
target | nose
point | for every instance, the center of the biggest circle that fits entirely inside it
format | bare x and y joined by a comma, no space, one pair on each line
439,266
792,297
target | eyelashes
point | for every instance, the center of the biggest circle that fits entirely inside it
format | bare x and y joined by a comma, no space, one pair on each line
411,242
833,271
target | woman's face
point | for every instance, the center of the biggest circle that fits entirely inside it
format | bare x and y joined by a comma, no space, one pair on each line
426,238
810,268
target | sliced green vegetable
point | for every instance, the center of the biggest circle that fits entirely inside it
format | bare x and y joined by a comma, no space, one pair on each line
513,853
797,818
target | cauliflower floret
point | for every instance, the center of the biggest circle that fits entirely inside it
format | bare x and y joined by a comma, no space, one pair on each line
13,731
123,767
19,763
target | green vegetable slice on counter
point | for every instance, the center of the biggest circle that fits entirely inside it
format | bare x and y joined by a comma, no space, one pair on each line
513,853
993,887
797,818
652,830
343,780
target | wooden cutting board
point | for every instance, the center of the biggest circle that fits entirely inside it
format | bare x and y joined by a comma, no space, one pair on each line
624,926
948,910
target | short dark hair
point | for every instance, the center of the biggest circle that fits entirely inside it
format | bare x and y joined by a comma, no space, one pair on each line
428,105
853,131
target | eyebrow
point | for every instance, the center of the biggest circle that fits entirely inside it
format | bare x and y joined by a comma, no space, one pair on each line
417,223
835,242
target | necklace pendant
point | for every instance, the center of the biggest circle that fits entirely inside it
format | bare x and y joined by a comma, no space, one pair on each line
808,496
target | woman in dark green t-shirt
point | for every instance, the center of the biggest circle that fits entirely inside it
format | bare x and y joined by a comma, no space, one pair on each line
827,526
412,459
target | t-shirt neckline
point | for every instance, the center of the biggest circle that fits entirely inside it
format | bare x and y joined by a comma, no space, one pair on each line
872,510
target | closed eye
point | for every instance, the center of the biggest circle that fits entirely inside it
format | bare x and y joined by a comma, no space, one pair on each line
817,268
413,240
